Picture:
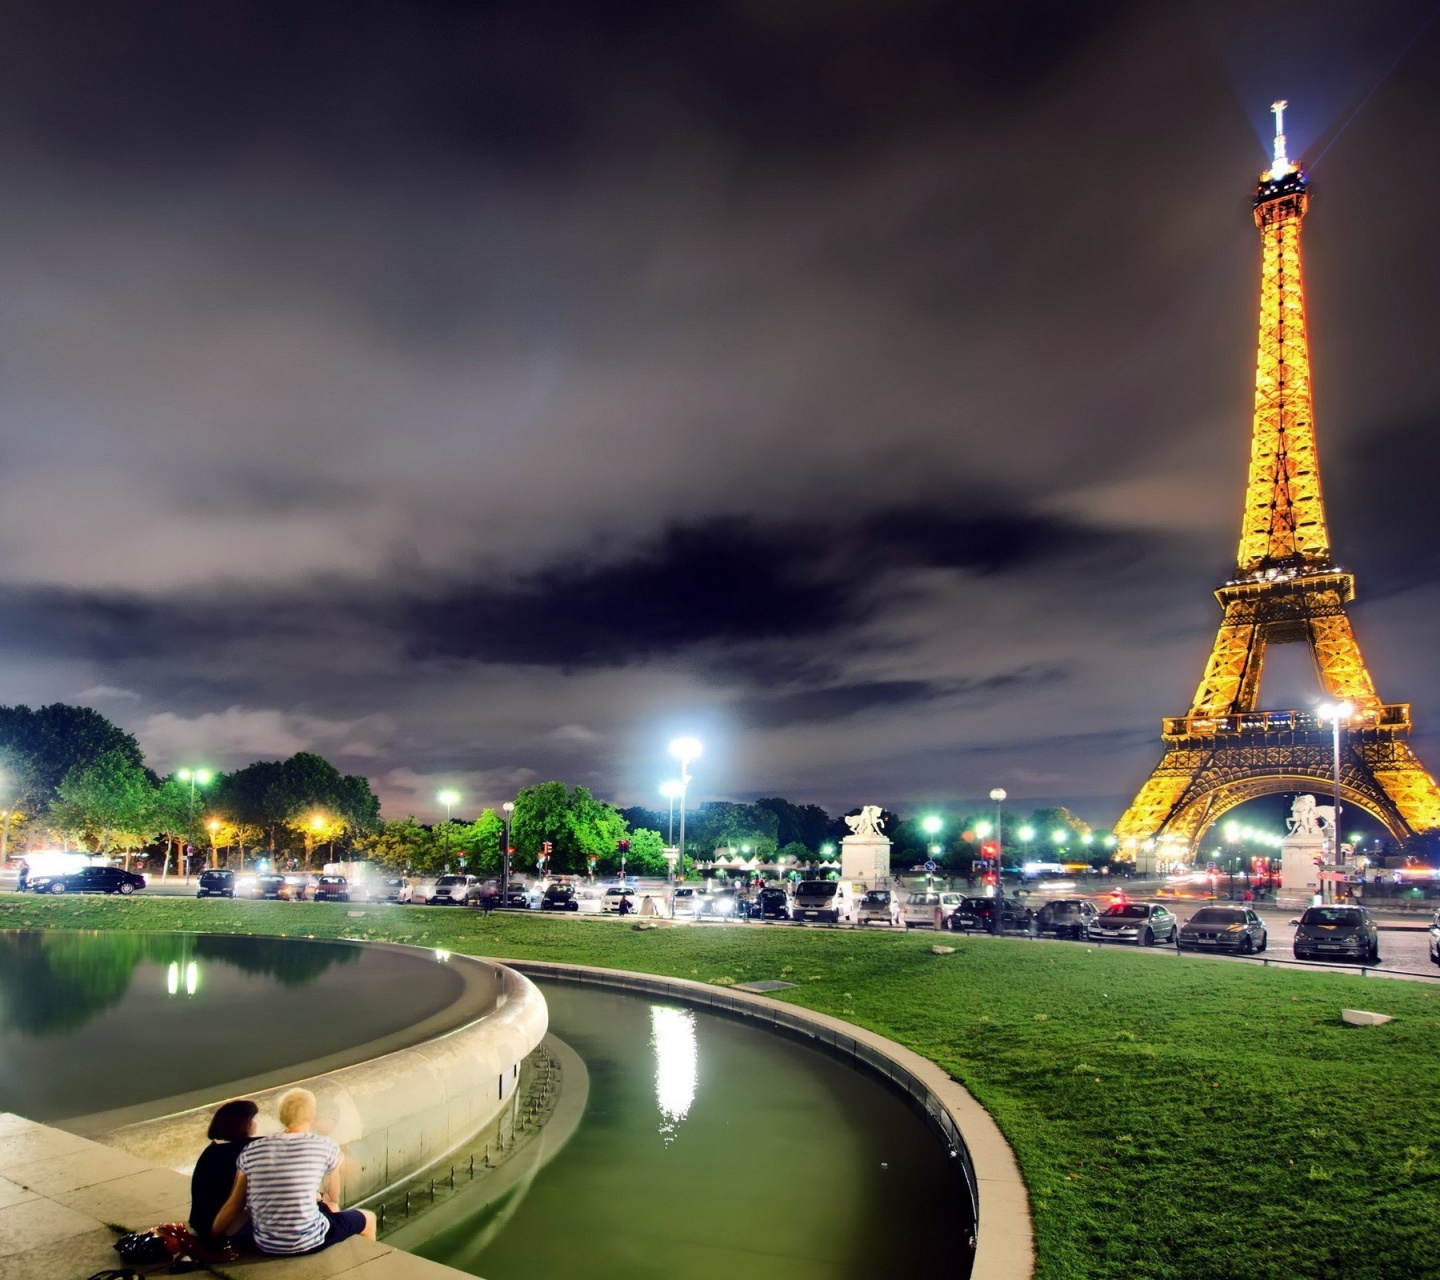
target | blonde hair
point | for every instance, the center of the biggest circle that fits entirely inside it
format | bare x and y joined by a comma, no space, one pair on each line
296,1107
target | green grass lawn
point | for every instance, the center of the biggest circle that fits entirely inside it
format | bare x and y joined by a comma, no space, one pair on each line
1181,1120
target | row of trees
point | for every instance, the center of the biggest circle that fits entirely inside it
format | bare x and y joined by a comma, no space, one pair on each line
73,777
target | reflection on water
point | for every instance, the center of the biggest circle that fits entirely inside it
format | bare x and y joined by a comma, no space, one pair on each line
182,1013
55,982
677,1065
777,1163
192,978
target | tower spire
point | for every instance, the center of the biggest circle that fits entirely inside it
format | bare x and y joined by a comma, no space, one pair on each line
1284,521
1282,164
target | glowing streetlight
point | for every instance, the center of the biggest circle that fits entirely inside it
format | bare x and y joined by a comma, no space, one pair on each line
509,809
1057,837
449,799
196,778
685,750
1337,713
997,794
670,788
983,829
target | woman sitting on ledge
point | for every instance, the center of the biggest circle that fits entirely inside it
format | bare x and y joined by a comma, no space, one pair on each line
231,1127
279,1178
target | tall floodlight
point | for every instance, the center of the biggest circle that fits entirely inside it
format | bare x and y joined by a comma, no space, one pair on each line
449,799
670,789
685,750
196,778
1337,713
509,808
998,795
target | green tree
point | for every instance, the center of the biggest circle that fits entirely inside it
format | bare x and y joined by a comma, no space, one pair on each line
576,824
107,805
481,842
281,796
645,857
40,746
404,845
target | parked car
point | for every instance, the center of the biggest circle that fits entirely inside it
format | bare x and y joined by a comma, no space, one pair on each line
1340,932
560,897
331,889
997,915
517,897
728,904
616,894
421,889
216,884
878,906
90,880
455,891
1218,928
273,887
1143,923
1435,939
385,889
1066,917
302,885
687,901
773,902
831,900
921,908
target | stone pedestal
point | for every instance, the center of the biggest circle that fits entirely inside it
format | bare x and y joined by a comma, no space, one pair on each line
865,859
1299,876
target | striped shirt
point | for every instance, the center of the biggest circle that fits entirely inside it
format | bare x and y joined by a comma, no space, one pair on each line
282,1182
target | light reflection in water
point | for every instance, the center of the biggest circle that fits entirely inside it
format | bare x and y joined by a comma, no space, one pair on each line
677,1065
191,974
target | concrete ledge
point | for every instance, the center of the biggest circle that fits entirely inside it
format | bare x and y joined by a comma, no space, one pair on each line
1005,1236
61,1196
395,1113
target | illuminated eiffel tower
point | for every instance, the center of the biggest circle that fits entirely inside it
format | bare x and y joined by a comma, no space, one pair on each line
1285,590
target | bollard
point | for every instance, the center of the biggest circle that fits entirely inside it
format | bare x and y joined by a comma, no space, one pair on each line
452,1177
380,1219
432,1190
472,1164
407,1204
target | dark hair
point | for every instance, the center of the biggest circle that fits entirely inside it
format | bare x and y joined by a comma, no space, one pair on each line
231,1123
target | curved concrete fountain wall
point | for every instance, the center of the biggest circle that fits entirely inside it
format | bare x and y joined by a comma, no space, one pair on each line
397,1112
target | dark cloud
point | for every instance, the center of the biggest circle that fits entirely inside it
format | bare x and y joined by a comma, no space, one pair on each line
492,390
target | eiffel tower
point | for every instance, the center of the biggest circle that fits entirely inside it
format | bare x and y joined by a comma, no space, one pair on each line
1285,590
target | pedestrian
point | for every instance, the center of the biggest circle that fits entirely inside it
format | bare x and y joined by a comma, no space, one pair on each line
625,907
232,1127
290,1182
647,907
23,882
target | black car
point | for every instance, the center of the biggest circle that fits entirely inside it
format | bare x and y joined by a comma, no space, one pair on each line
331,889
90,880
1341,933
560,897
1223,929
992,915
216,884
1066,917
517,896
1143,923
273,887
773,903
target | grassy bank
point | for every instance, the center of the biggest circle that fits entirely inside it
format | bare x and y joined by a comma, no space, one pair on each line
1178,1120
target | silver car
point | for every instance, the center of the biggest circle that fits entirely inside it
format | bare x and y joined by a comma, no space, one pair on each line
455,891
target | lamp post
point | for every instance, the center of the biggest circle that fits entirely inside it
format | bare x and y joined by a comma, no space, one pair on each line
509,809
212,826
684,750
670,789
1337,713
196,778
449,799
997,794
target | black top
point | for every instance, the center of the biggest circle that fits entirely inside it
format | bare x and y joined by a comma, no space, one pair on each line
211,1184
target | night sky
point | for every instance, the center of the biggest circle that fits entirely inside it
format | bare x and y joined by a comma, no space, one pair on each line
478,394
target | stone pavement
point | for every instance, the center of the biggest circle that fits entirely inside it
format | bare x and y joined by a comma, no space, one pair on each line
64,1200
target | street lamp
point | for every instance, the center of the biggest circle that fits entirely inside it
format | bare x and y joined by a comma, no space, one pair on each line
196,778
685,750
997,794
449,799
1026,834
509,809
1337,713
212,826
670,789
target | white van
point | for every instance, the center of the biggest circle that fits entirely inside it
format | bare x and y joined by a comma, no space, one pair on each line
832,900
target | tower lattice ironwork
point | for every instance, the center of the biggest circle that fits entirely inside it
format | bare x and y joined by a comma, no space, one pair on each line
1286,589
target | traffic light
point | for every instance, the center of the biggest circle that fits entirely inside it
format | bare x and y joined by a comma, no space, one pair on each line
624,846
546,847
